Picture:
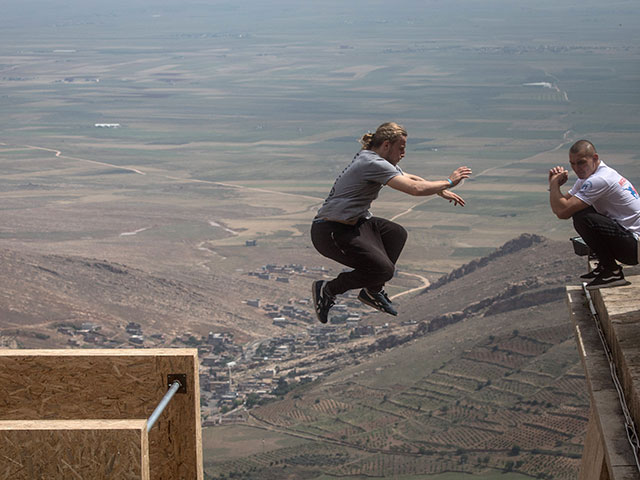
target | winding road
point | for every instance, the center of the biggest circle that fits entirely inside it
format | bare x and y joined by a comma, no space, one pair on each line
425,283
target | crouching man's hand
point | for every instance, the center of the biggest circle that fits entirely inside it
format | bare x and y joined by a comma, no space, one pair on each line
558,176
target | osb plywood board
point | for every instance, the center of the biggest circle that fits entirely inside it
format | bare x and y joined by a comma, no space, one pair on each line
110,384
101,449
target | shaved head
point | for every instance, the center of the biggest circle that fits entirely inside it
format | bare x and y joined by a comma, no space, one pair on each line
583,146
583,158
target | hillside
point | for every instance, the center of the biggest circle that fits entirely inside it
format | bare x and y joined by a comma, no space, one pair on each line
478,373
526,271
42,292
488,379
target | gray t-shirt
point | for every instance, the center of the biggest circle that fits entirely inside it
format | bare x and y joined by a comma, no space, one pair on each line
356,187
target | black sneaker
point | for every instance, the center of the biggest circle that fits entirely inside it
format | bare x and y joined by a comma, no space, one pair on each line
379,301
592,274
607,279
321,301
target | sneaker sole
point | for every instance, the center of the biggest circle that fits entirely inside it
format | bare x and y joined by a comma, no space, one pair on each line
615,283
376,307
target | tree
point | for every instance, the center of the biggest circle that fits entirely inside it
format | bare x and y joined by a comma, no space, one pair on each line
282,388
252,399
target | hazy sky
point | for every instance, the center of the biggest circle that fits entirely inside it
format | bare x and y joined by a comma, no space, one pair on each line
542,19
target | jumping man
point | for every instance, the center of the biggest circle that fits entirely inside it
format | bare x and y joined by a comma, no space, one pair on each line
345,231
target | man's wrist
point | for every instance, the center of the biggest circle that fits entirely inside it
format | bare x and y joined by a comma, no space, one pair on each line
450,182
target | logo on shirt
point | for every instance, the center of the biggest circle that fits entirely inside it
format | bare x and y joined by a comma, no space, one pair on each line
586,186
632,191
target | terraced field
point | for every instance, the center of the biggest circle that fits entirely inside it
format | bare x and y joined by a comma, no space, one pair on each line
493,404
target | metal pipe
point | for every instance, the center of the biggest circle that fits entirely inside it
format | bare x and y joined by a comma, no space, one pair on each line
162,405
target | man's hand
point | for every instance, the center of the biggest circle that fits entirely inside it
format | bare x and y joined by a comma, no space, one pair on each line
558,176
459,174
564,206
452,197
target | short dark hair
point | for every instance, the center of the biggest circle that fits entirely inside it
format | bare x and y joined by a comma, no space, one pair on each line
582,146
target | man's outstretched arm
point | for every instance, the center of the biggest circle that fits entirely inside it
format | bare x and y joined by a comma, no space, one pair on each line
415,185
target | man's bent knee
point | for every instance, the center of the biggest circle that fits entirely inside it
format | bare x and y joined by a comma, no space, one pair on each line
382,273
399,231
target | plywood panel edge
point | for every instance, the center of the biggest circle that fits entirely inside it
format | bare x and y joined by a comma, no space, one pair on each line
145,461
90,424
198,423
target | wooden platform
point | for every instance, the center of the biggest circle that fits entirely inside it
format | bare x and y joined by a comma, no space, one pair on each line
90,449
87,403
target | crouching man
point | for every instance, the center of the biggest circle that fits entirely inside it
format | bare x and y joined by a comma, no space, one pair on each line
605,208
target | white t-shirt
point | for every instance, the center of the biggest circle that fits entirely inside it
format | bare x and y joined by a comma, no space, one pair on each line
611,195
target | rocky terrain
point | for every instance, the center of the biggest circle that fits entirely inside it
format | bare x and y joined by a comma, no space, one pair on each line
477,373
40,292
483,376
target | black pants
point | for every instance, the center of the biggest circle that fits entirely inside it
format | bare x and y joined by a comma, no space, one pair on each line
371,248
606,238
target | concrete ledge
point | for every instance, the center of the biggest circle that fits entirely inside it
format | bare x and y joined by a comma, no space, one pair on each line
619,311
606,424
